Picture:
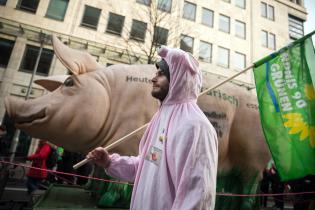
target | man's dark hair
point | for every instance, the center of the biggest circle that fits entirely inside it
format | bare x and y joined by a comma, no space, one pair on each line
163,66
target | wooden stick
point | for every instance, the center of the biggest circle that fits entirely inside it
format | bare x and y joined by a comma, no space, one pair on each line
112,145
119,141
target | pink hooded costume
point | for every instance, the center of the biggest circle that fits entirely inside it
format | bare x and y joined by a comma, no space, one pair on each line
177,163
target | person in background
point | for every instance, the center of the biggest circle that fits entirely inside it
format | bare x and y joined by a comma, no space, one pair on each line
277,187
36,176
3,132
264,186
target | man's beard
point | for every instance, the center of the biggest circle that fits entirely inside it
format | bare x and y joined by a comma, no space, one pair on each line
160,95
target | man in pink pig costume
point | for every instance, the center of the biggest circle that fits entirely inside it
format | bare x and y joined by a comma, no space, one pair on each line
177,163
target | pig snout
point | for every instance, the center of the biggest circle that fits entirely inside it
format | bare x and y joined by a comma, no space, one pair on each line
22,112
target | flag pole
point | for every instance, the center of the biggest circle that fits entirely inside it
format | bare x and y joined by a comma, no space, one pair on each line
121,140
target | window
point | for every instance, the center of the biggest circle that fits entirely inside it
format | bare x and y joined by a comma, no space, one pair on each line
228,1
263,8
272,41
224,24
264,38
115,23
207,17
296,28
187,43
138,30
146,2
240,29
271,14
57,9
28,5
29,60
3,2
239,61
205,51
268,40
296,1
189,11
6,47
165,5
91,17
160,36
267,11
240,3
223,57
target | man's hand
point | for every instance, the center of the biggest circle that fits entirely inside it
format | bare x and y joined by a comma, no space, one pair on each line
99,156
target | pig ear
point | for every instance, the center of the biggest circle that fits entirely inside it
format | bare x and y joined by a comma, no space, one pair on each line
76,61
51,83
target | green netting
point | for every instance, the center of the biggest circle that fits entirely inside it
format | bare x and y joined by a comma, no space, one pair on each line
235,182
119,195
110,194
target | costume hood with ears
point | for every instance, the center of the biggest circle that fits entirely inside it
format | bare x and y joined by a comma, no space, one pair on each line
185,76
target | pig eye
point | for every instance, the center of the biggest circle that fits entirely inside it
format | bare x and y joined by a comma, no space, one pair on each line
69,82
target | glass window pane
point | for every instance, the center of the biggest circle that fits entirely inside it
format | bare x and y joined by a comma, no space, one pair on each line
146,2
57,9
240,3
240,29
240,61
189,11
45,62
223,57
264,38
271,15
272,41
296,28
91,17
160,36
29,60
115,23
263,8
224,23
28,5
187,43
138,30
6,47
165,5
205,51
3,2
207,17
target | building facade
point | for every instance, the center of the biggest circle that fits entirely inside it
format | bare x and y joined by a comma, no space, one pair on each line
225,35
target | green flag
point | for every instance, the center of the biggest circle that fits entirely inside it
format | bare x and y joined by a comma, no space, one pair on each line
285,83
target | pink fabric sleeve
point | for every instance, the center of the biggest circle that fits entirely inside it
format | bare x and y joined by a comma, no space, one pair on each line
123,167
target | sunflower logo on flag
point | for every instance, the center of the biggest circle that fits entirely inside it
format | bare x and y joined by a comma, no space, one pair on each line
296,123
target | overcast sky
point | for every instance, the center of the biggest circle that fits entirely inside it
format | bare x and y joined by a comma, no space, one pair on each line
309,25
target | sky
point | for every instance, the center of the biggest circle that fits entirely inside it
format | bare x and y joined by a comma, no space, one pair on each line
309,25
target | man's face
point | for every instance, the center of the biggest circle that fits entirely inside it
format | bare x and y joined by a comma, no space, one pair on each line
160,85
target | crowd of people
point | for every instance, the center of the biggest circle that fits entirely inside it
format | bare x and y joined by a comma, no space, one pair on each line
271,183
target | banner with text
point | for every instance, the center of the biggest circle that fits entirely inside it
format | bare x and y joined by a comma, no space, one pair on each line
285,83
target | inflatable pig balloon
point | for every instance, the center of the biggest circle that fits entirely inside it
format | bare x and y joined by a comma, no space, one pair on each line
98,105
